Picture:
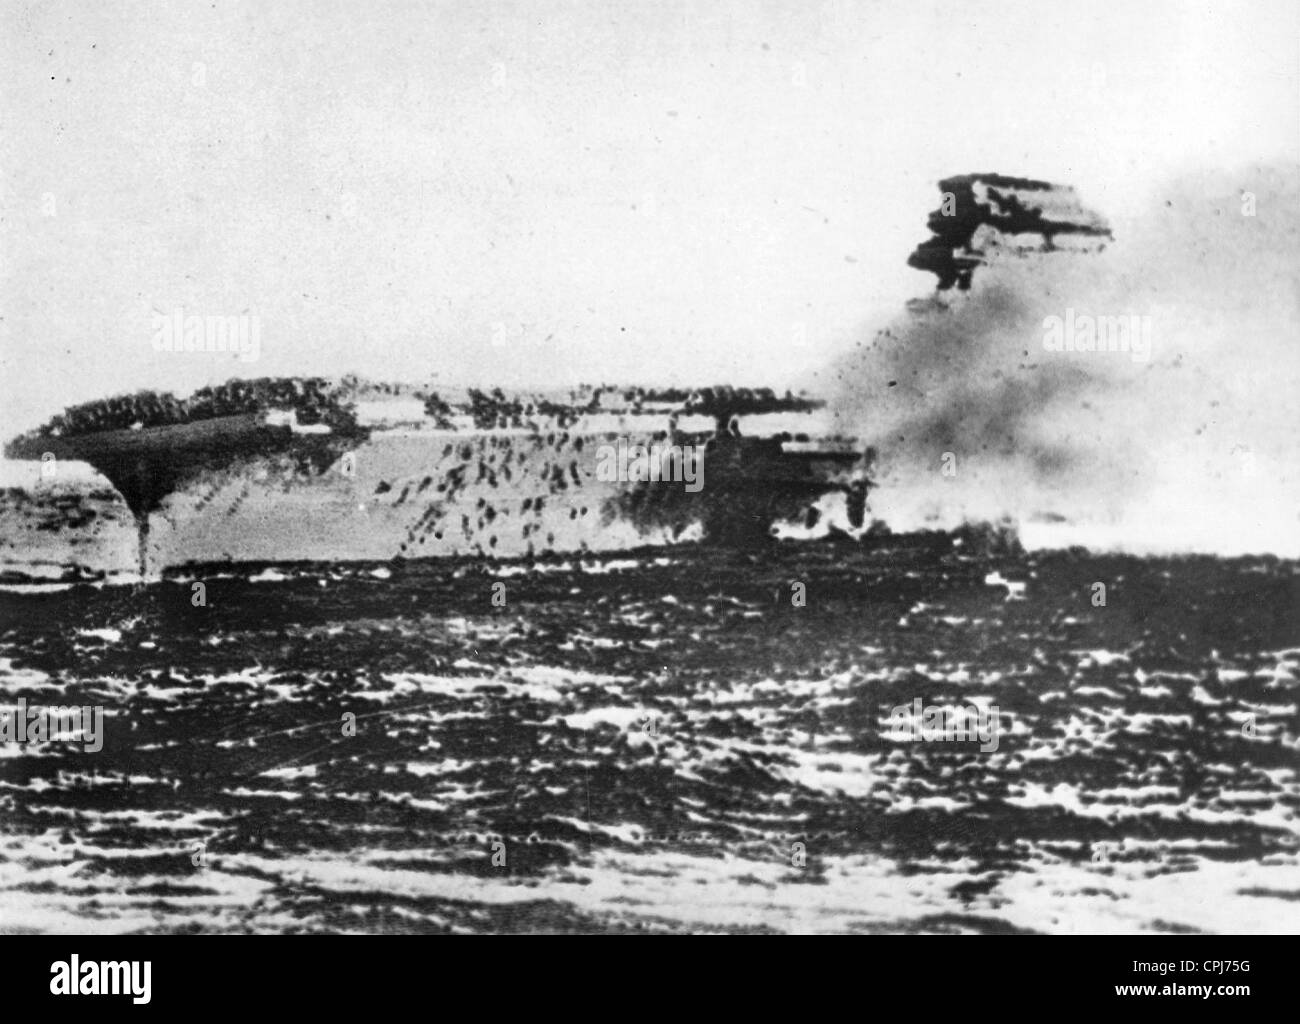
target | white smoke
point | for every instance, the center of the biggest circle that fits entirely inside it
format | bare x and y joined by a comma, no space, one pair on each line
1195,450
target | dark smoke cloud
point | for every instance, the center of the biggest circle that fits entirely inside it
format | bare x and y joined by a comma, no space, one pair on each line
1195,449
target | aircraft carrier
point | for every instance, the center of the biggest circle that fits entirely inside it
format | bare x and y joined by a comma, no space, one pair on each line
306,469
280,470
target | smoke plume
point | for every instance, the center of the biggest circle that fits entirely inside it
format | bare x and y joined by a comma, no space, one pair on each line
977,415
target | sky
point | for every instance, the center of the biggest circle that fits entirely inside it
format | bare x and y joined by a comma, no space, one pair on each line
550,193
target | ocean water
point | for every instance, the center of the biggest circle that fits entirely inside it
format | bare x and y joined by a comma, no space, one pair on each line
662,743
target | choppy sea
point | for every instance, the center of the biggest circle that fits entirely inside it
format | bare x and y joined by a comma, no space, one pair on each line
667,743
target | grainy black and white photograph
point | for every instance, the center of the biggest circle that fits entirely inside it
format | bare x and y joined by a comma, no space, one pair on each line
629,467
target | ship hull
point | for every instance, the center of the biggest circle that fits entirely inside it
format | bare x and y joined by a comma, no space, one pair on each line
400,494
